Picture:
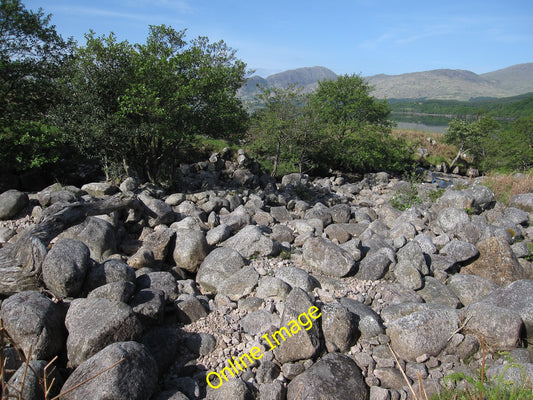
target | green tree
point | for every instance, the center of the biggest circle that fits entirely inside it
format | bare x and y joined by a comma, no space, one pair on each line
281,130
346,103
136,108
354,126
472,138
31,58
513,148
95,78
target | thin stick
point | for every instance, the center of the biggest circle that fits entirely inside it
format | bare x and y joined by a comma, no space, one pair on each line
87,380
460,328
403,373
299,391
421,387
26,365
47,388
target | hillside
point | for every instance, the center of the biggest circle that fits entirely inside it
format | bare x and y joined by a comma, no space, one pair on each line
502,108
517,79
442,84
307,77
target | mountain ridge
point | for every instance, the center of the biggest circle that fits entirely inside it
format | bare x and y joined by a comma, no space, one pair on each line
437,84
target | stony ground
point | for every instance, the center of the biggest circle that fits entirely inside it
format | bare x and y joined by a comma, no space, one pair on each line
176,286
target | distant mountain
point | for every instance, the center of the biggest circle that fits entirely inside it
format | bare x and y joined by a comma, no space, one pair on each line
517,79
307,77
445,84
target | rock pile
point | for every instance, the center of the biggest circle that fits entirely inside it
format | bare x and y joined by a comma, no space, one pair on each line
160,296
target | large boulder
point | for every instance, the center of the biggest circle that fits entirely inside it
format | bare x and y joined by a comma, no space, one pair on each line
450,218
305,343
482,195
95,323
100,189
11,203
367,320
158,212
496,262
327,258
460,251
435,291
470,288
250,241
296,277
339,327
237,219
191,249
517,297
34,322
65,267
160,243
334,377
374,266
522,201
110,271
219,265
423,332
500,327
459,199
235,389
160,280
240,284
131,374
97,234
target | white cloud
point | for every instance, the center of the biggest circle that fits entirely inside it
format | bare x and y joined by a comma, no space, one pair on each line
143,17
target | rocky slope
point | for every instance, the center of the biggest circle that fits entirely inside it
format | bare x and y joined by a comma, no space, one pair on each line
443,84
184,285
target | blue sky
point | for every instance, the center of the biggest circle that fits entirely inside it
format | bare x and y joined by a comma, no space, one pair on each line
365,37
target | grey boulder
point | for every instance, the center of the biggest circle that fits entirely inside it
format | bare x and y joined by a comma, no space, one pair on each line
500,327
422,332
11,203
303,344
97,234
131,374
517,297
110,271
250,241
334,377
219,265
65,267
327,258
95,323
34,322
191,249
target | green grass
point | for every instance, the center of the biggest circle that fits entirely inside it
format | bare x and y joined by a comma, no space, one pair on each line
479,388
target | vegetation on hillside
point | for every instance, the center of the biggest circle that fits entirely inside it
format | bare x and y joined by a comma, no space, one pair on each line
508,108
32,56
142,109
137,108
339,126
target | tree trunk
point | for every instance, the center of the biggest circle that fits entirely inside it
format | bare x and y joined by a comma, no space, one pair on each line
21,262
456,157
276,160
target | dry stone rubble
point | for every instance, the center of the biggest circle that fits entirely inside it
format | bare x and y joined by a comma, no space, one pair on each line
190,279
